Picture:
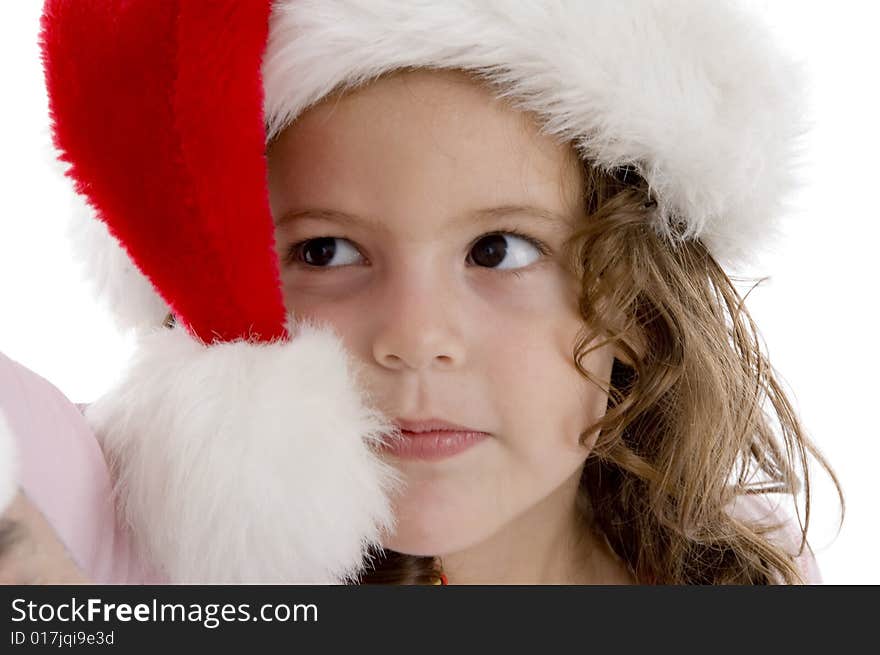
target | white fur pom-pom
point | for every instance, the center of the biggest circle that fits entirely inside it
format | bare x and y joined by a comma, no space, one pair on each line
247,463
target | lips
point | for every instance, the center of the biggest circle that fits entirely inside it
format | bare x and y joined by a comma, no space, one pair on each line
433,439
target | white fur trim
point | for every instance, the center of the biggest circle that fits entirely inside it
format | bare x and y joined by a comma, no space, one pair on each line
247,463
119,285
696,94
9,464
116,281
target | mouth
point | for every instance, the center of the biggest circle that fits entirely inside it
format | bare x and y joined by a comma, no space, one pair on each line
419,426
432,439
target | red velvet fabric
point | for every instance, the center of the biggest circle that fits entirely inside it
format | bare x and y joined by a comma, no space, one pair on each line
158,107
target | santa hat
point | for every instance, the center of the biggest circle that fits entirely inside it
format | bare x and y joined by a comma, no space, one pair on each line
163,112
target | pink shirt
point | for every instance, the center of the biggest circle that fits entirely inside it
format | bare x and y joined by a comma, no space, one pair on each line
63,472
762,509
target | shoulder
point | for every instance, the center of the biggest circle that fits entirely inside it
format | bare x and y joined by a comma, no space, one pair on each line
767,509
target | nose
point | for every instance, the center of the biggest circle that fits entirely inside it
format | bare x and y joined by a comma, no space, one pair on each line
417,324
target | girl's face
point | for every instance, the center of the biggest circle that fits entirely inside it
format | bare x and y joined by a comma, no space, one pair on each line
396,189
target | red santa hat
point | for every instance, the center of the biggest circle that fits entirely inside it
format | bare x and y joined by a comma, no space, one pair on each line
244,447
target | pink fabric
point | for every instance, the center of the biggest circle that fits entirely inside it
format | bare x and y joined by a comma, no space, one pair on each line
63,472
765,510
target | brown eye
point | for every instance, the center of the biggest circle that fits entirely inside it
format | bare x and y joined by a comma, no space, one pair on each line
504,251
326,252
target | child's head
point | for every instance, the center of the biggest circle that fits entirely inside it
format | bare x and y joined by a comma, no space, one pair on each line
443,274
389,202
594,334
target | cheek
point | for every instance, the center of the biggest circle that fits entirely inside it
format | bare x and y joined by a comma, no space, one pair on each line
327,297
528,333
344,315
529,360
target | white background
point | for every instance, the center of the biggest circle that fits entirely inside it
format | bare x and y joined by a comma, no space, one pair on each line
818,312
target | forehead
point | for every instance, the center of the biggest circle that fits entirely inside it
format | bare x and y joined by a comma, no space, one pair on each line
417,139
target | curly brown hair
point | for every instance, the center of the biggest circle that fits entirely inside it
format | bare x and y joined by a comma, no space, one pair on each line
686,430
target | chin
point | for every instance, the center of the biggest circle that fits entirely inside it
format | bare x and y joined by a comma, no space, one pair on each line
431,535
441,514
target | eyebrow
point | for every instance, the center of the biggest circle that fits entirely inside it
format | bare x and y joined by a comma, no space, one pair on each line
478,216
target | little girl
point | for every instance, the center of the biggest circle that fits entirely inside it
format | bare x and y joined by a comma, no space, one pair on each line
447,287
